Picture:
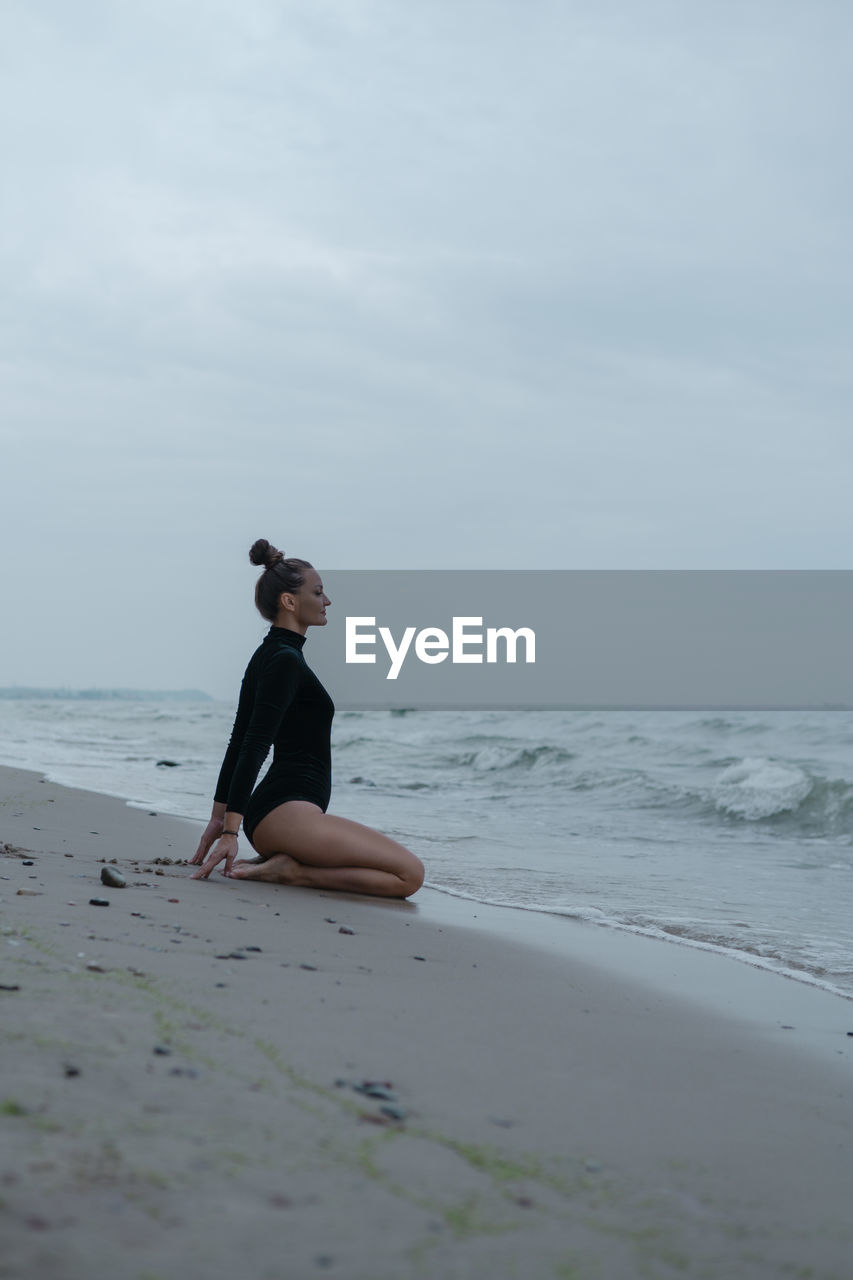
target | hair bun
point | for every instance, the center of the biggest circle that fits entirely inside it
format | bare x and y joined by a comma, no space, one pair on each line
264,553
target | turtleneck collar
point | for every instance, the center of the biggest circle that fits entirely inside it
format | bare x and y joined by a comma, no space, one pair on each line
292,638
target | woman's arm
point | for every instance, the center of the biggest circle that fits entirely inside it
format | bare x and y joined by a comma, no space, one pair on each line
277,686
259,715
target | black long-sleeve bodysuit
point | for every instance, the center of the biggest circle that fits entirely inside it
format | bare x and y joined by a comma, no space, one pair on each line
282,704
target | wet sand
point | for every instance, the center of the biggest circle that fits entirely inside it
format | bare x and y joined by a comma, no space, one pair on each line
222,1078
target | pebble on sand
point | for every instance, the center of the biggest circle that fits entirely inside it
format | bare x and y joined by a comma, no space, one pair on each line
112,877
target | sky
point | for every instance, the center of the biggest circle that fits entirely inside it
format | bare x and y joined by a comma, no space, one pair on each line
525,284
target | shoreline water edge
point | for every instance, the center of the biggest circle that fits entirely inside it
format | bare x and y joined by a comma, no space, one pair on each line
726,832
219,1075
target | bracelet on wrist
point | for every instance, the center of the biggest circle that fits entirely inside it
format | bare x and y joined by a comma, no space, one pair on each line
230,833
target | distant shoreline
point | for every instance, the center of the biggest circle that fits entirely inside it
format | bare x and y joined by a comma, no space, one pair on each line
22,693
15,693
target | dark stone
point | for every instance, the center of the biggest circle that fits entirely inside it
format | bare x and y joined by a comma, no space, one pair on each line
99,902
376,1089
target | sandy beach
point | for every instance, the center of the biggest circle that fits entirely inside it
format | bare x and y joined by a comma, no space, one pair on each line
205,1079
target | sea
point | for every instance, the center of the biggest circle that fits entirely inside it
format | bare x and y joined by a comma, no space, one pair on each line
726,830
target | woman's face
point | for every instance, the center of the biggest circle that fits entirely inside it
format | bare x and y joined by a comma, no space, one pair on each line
309,603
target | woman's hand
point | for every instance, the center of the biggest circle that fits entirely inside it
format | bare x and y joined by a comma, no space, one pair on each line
225,847
212,832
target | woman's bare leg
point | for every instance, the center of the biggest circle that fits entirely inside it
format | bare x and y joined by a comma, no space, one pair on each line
302,845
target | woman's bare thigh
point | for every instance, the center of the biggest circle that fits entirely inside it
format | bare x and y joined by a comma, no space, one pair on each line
320,839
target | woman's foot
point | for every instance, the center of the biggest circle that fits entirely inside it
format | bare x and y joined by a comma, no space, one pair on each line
280,868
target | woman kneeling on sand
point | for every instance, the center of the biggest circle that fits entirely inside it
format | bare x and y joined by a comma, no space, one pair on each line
282,704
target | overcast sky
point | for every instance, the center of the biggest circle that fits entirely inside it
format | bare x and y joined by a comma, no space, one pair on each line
443,283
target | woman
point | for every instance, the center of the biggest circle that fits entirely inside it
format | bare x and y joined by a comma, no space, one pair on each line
282,704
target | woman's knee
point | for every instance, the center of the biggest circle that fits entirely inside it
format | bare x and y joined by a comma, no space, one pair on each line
413,875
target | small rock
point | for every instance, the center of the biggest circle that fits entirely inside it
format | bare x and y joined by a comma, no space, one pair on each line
251,948
376,1089
99,902
28,862
162,1050
174,899
312,967
112,877
29,893
71,1070
4,986
167,764
419,958
344,929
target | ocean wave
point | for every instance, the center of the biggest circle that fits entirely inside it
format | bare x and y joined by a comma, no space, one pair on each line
507,757
757,788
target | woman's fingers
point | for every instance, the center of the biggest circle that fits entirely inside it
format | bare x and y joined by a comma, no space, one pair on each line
225,847
212,833
207,866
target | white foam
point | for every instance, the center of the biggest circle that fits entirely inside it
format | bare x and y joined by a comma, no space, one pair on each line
759,788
